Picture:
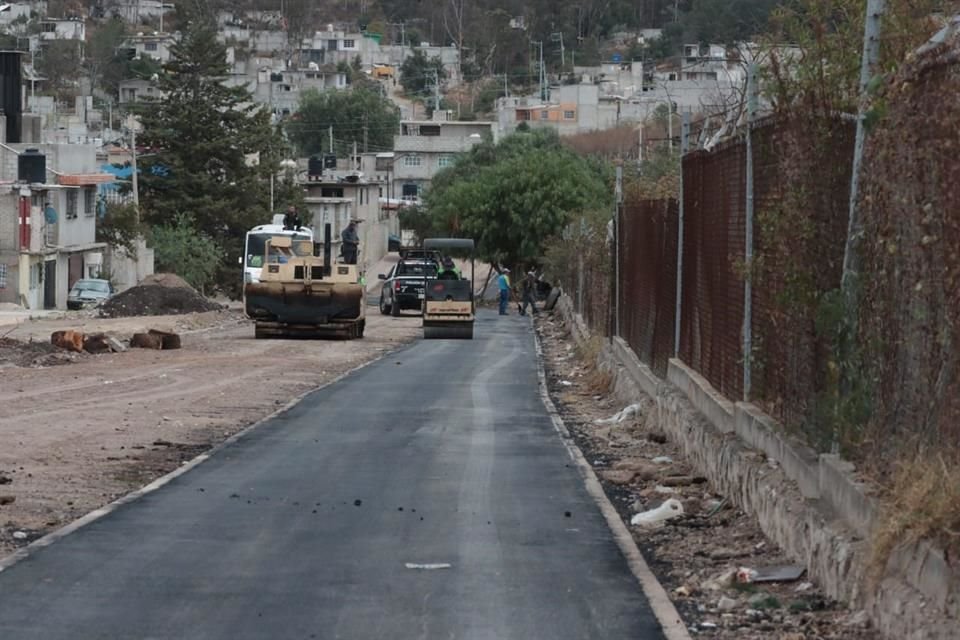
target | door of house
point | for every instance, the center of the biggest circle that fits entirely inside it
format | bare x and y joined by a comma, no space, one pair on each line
50,284
74,269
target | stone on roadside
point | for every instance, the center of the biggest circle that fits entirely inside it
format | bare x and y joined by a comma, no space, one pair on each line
618,476
146,341
115,345
7,500
69,340
96,343
727,604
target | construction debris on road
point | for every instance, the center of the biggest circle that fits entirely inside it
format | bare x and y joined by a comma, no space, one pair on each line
157,295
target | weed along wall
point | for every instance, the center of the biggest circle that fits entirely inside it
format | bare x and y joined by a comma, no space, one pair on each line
808,504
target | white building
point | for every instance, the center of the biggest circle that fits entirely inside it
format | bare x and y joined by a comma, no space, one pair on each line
424,147
331,47
155,45
62,29
135,11
48,229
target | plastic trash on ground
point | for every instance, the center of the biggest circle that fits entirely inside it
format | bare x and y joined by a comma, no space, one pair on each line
670,509
620,416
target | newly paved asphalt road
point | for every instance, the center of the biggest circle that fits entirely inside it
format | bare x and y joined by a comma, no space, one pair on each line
440,454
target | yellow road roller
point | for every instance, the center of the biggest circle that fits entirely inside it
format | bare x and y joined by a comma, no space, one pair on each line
303,292
448,302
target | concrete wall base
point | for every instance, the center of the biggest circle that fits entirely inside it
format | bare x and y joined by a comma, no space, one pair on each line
809,505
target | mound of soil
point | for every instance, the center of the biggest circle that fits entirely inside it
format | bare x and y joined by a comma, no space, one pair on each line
158,295
18,353
166,280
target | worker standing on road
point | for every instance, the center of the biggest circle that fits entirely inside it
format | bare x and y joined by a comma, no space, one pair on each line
528,293
351,243
503,281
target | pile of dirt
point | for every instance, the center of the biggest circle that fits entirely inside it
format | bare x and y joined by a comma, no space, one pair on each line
19,353
158,295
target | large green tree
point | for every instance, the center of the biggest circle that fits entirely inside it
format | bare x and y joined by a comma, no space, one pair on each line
211,150
355,115
514,196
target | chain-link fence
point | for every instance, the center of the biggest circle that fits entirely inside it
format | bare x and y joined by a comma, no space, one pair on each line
711,301
800,222
648,279
801,204
910,203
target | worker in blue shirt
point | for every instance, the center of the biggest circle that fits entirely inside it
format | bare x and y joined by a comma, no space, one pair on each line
504,283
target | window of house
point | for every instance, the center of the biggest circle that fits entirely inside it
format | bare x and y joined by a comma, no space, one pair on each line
523,116
150,46
445,161
72,204
412,161
90,201
331,192
3,276
49,27
429,130
569,115
349,44
544,115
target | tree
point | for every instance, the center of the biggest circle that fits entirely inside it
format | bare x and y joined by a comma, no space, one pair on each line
514,196
59,63
179,247
352,113
102,54
419,73
120,227
212,149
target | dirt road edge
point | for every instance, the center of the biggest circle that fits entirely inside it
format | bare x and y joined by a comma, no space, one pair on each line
52,537
660,603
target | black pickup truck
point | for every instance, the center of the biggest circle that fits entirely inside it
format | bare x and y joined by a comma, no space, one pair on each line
403,286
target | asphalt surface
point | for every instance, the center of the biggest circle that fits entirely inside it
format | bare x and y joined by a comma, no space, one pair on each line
440,454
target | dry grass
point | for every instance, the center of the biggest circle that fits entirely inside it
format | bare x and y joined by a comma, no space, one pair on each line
923,504
597,381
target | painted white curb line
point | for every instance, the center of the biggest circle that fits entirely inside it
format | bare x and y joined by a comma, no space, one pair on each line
663,609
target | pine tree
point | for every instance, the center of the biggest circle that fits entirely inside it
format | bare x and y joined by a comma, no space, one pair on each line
200,139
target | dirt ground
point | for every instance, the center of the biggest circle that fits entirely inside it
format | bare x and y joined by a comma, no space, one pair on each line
697,555
78,435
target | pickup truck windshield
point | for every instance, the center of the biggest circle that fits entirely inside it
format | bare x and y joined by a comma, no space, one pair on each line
414,269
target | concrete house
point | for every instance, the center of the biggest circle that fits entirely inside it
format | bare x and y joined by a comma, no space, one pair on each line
424,147
336,198
155,45
48,229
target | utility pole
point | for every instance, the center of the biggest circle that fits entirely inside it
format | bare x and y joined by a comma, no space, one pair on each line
133,175
436,90
871,56
366,131
330,134
543,76
849,282
640,149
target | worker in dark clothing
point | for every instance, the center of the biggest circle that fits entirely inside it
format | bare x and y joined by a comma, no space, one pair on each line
351,243
528,290
448,270
291,219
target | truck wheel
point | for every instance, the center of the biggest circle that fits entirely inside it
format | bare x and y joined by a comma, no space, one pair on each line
395,309
384,307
